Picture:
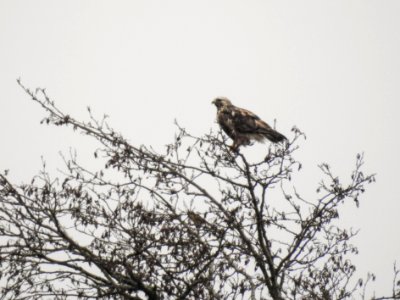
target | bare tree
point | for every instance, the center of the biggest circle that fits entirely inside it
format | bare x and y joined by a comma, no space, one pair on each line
195,222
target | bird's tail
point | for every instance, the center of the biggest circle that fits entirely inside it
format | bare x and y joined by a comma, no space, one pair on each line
274,136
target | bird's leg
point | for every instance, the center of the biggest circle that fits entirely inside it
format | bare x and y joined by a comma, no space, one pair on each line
234,147
239,141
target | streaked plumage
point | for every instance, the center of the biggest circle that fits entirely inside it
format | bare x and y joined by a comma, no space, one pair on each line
243,126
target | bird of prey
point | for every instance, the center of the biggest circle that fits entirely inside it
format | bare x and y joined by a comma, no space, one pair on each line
243,126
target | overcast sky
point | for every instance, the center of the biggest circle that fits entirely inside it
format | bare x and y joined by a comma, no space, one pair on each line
332,68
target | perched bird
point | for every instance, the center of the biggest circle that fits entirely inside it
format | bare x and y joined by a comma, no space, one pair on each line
243,126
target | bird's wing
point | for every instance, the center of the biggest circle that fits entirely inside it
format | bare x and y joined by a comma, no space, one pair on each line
247,122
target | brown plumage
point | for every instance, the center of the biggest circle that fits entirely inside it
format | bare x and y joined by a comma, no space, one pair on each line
243,126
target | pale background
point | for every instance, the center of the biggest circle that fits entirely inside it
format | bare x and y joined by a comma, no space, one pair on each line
330,67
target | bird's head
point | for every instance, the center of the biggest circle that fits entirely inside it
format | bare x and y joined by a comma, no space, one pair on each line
221,101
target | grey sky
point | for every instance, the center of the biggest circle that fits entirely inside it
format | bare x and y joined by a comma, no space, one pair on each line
330,67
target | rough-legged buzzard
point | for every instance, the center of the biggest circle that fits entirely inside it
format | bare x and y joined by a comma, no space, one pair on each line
243,126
